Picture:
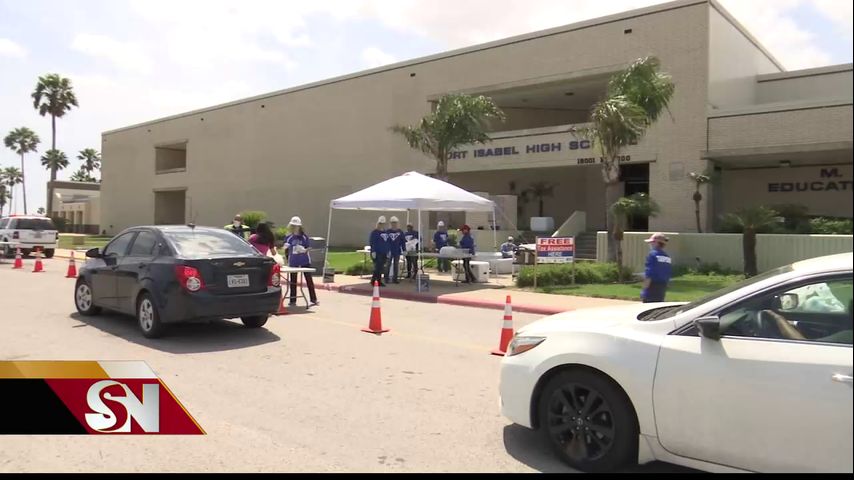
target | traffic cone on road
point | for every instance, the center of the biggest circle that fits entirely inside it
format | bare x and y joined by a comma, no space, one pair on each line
283,310
72,268
375,325
19,260
506,330
38,267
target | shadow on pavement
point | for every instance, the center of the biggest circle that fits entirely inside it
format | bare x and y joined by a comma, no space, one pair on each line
214,336
529,447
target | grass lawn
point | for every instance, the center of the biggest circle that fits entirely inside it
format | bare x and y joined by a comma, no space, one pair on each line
343,258
91,241
684,288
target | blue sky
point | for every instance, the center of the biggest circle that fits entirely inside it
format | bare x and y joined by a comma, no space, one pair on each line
135,60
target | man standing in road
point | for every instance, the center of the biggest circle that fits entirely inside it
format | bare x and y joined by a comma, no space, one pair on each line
238,228
658,270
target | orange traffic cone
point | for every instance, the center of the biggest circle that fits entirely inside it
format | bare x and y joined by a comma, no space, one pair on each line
376,324
506,330
283,310
37,267
19,260
72,268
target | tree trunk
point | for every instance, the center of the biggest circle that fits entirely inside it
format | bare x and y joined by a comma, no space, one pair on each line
24,183
541,206
749,246
698,197
442,166
11,200
52,169
612,194
619,257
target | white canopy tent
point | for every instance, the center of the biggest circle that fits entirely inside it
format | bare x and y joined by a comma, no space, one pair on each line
412,191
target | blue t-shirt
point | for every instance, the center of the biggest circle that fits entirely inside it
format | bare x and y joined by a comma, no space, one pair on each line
658,266
297,259
409,236
395,241
440,239
467,243
379,242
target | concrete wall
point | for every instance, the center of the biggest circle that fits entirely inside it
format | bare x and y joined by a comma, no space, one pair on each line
726,249
815,84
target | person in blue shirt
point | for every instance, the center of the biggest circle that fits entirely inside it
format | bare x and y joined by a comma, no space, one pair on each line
658,270
379,251
296,246
467,244
396,246
508,248
411,237
440,239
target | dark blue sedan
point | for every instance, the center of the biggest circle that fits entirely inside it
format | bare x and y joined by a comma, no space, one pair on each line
171,274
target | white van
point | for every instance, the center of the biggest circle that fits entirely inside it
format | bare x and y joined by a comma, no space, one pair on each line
30,233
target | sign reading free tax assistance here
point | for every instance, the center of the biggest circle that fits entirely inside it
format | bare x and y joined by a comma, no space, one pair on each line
555,250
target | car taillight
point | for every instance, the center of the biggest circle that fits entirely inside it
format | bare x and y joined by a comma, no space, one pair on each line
57,236
189,278
275,276
16,235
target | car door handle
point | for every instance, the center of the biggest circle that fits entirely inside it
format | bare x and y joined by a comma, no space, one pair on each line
838,377
142,265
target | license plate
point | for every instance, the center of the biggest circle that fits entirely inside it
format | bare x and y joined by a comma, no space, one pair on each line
37,234
237,281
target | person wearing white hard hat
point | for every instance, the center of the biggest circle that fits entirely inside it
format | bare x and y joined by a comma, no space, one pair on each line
395,247
379,251
440,239
508,248
297,245
658,270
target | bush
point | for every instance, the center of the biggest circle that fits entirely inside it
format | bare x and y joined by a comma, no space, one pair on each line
559,275
831,226
252,218
359,269
795,219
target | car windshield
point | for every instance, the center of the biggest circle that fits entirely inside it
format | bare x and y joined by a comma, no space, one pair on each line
668,312
204,244
34,224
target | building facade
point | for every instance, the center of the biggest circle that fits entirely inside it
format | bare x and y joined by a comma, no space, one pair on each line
79,204
775,137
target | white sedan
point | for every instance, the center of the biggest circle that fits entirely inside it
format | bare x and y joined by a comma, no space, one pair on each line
756,377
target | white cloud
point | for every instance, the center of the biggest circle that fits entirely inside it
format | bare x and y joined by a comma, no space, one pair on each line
125,55
373,57
840,12
8,48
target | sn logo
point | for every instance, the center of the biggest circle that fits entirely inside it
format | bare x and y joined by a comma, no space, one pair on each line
146,412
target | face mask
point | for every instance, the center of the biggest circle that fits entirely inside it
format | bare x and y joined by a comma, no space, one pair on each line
235,223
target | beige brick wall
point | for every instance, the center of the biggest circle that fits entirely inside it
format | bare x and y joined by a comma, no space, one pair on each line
783,127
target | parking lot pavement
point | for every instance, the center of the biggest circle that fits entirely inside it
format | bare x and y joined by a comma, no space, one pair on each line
310,392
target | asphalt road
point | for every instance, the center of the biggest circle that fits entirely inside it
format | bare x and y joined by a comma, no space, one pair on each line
309,393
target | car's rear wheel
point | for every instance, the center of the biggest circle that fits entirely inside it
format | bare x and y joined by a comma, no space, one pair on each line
83,298
255,321
48,253
148,317
588,421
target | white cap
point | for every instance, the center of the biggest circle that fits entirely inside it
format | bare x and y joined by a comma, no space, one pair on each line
381,219
509,239
657,237
440,224
394,220
296,221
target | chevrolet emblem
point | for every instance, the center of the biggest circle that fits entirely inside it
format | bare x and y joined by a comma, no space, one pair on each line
239,264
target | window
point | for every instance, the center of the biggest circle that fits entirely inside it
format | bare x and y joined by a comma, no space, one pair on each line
817,311
144,245
119,246
203,244
170,158
32,224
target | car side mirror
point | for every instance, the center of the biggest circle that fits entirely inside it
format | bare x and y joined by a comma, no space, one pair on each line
93,253
709,327
788,301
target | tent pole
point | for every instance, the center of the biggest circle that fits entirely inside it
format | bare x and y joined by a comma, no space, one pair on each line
419,267
494,232
328,240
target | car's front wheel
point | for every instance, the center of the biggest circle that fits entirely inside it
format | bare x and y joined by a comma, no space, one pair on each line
256,321
588,421
83,298
148,317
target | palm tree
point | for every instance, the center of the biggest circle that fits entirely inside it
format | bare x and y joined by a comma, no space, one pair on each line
635,99
22,141
699,180
82,175
12,176
91,159
40,211
623,211
55,160
752,221
53,96
540,191
457,120
4,196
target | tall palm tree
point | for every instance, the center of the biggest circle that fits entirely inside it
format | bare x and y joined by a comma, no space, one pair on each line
4,196
91,159
12,176
635,99
540,191
699,180
457,120
22,141
82,175
639,205
53,96
752,221
55,160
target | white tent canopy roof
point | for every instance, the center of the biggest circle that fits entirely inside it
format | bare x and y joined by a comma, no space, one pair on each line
414,191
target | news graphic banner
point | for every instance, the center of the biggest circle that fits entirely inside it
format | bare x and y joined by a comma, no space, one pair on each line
555,250
86,397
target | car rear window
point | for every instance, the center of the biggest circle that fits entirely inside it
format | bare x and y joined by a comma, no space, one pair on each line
203,244
33,224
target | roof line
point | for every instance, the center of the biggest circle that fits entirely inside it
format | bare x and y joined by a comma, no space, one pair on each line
738,26
641,12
